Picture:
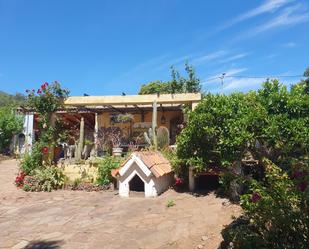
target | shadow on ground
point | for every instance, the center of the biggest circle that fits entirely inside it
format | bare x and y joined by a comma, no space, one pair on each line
43,244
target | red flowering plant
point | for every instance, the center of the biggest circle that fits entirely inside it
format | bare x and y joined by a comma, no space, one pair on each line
275,213
19,180
44,102
300,176
178,181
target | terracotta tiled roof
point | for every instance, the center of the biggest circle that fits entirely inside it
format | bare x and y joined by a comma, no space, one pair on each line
154,161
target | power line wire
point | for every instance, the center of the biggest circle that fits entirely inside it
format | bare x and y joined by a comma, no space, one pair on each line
255,77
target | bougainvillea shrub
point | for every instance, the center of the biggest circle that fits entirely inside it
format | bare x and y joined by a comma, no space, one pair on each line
45,101
38,165
276,213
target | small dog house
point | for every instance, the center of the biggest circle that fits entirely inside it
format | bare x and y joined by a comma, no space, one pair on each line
146,171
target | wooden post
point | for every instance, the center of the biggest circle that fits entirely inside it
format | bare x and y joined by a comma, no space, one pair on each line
191,179
96,130
81,139
154,124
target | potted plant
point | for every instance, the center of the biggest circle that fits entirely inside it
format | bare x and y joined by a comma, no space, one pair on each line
125,118
115,138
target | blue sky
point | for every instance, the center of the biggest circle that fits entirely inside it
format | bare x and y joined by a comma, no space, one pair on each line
109,47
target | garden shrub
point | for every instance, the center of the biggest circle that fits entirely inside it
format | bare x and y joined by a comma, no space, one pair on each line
220,129
45,179
10,124
37,166
225,182
31,161
105,165
276,212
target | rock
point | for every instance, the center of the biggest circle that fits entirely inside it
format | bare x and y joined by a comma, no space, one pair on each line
226,203
204,238
199,246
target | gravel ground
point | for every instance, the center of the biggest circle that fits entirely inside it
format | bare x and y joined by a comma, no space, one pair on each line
79,219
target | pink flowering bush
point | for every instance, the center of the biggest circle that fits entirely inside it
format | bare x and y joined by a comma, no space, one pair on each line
276,212
45,101
38,165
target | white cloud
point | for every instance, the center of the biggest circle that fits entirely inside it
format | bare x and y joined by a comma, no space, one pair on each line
289,45
290,16
271,56
269,6
216,77
135,73
234,57
208,57
173,62
242,83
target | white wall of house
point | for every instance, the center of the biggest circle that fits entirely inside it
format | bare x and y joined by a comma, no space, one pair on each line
24,144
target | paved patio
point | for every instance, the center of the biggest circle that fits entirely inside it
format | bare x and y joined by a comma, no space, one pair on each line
68,219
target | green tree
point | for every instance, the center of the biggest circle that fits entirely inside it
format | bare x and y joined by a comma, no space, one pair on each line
154,87
220,129
192,83
10,124
178,83
11,100
271,123
306,74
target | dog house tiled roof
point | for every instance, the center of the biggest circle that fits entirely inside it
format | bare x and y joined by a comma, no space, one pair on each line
153,160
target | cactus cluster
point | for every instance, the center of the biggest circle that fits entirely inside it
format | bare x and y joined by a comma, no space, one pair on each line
162,137
157,138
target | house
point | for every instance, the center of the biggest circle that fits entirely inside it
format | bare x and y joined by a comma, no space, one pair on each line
87,117
145,171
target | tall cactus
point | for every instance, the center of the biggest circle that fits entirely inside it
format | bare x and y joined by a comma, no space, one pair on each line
151,137
154,124
163,137
80,145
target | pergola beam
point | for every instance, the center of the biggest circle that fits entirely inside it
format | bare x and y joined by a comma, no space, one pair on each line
181,98
116,109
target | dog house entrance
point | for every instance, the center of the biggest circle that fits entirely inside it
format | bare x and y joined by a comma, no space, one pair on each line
136,184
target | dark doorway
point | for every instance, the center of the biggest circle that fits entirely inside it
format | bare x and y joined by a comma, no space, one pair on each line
21,141
207,182
136,184
174,129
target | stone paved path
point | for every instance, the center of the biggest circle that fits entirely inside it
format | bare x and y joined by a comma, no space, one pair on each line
68,219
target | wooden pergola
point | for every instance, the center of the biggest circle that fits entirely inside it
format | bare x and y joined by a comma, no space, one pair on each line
133,100
121,104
